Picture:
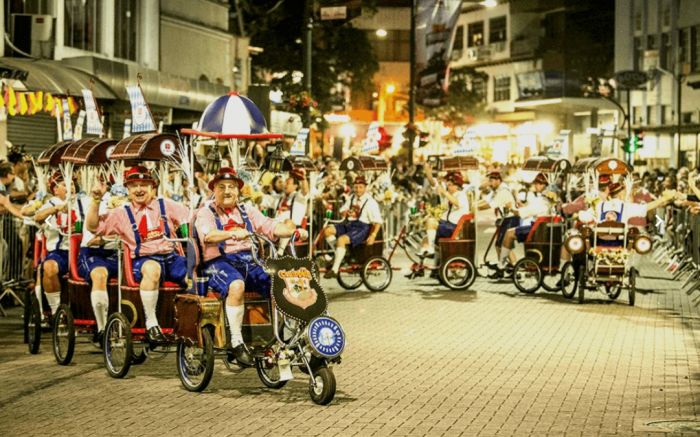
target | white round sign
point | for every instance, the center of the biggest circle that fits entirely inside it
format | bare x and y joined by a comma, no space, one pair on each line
167,148
109,151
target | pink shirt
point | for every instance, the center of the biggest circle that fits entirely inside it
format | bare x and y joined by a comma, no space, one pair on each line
206,223
150,226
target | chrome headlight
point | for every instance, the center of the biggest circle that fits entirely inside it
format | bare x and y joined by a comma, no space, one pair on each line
643,244
575,244
326,337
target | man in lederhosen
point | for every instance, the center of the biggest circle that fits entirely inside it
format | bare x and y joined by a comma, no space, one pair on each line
143,225
363,219
292,204
224,227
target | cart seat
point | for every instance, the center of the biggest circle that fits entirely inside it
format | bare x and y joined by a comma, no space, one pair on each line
364,251
129,275
73,253
461,231
535,229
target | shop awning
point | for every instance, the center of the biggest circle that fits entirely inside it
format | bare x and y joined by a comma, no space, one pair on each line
565,104
54,77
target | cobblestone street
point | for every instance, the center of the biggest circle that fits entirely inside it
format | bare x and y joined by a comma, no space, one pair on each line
421,360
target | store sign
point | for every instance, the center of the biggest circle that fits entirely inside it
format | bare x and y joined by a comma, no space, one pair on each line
559,149
299,146
630,79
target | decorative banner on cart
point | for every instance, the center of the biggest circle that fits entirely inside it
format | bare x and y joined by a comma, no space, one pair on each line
142,119
78,133
435,24
467,146
67,124
559,148
94,124
295,290
299,146
371,143
127,128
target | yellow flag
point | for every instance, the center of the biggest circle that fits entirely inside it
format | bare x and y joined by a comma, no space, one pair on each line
23,104
11,101
49,106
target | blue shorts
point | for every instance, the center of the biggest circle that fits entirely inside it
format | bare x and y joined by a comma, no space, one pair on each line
61,258
609,243
521,233
222,271
173,267
507,223
445,229
356,230
91,258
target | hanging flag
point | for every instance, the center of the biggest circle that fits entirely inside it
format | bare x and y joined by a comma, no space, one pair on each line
142,119
67,125
23,105
94,125
49,106
127,128
299,145
11,101
35,102
72,105
79,126
371,143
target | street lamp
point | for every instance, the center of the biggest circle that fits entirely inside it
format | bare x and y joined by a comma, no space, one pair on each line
489,3
381,33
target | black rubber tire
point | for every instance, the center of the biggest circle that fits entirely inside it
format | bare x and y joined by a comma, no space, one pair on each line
205,368
324,393
264,373
28,293
34,326
551,288
139,358
63,329
569,269
117,328
376,263
527,265
615,293
348,283
632,287
582,284
469,277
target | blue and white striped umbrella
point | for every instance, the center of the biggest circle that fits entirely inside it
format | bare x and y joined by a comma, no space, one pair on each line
234,116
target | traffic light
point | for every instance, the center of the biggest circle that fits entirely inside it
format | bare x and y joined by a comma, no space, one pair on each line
634,143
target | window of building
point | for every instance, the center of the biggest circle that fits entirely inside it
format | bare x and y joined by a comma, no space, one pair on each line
638,53
666,114
666,15
652,118
666,54
501,88
475,34
638,21
125,25
637,115
479,87
394,47
497,30
687,117
652,41
81,24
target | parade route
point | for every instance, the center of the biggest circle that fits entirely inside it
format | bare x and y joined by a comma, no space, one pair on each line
421,360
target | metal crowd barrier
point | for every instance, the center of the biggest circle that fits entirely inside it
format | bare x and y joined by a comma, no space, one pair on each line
677,247
15,264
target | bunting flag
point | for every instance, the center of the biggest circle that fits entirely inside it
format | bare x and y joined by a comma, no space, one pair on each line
22,105
94,124
142,119
36,101
72,105
67,125
11,101
49,105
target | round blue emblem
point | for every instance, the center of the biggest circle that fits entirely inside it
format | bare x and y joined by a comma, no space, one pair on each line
326,337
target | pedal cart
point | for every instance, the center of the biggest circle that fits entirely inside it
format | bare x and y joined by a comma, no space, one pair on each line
363,264
606,250
540,265
457,253
75,315
126,326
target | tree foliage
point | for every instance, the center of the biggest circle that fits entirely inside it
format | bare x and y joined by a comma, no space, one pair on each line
341,53
464,100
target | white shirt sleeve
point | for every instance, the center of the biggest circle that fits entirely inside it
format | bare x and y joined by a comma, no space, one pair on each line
372,214
634,210
299,209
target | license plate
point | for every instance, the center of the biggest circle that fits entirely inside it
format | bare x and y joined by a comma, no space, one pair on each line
285,369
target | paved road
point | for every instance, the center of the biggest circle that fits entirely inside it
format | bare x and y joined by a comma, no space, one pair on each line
421,360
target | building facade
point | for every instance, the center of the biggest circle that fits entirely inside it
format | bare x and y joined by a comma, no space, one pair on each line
662,39
182,51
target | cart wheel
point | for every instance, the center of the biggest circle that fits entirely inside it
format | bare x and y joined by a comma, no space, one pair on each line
140,357
350,278
28,293
195,365
569,280
324,391
582,284
527,275
613,291
633,286
376,273
552,282
269,374
34,326
118,346
63,335
457,273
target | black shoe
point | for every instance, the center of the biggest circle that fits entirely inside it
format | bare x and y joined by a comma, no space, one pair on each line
497,274
241,355
155,335
434,274
330,274
97,338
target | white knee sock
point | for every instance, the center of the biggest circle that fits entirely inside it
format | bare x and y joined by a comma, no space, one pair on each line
149,299
505,252
283,244
100,304
432,233
54,300
339,255
37,293
234,315
331,241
